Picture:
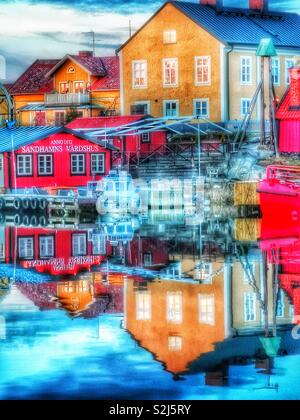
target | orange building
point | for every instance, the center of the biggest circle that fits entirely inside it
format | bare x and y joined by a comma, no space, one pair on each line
176,321
53,92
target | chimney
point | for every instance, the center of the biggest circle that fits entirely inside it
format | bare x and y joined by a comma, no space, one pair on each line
85,53
295,87
259,5
217,4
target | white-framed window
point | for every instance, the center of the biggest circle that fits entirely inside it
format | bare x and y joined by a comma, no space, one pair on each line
45,165
250,307
202,70
24,165
145,137
170,72
147,259
174,343
99,244
280,305
171,108
289,63
139,74
201,107
46,246
246,70
174,307
79,245
97,163
78,164
276,70
249,271
143,305
142,108
206,309
64,87
245,106
78,86
59,118
203,272
170,36
25,248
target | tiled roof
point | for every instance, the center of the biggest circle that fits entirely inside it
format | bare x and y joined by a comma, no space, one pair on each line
284,111
103,122
241,26
245,27
112,79
34,79
93,64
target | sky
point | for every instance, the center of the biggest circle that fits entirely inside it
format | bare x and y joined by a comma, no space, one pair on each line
31,29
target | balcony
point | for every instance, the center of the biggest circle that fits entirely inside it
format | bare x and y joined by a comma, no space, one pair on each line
67,99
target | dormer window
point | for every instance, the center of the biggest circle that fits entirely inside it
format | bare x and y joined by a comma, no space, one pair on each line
71,70
170,37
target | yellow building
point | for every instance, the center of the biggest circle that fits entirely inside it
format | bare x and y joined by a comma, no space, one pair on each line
194,59
53,92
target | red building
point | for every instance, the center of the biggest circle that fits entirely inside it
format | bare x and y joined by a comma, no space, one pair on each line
56,252
150,253
46,157
129,144
288,115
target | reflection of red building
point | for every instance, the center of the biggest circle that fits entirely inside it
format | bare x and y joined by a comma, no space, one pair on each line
147,252
56,252
131,144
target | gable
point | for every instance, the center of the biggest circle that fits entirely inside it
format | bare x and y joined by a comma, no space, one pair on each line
64,74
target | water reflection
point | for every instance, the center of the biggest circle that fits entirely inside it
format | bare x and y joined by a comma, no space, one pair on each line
129,307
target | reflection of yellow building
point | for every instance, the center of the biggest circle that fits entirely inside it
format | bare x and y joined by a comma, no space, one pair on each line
176,321
75,296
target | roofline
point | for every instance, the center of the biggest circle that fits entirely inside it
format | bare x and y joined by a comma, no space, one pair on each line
70,57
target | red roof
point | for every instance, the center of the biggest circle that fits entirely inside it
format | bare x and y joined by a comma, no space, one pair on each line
112,79
102,122
284,112
34,79
94,65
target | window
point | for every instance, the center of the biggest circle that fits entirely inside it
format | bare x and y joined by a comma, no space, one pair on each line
249,307
79,245
175,343
40,118
99,244
25,248
203,272
147,260
139,74
64,87
201,108
246,70
245,106
206,309
45,165
170,72
145,138
174,307
276,71
289,63
202,70
280,305
140,108
98,164
78,87
24,165
170,37
249,271
78,164
171,108
59,118
71,70
46,246
143,305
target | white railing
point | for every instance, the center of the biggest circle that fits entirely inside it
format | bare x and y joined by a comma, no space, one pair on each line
67,98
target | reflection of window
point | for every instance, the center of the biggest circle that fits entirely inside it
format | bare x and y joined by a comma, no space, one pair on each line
280,305
147,260
98,164
25,248
99,244
46,246
175,343
207,309
174,307
204,272
24,165
79,244
170,37
143,305
250,307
